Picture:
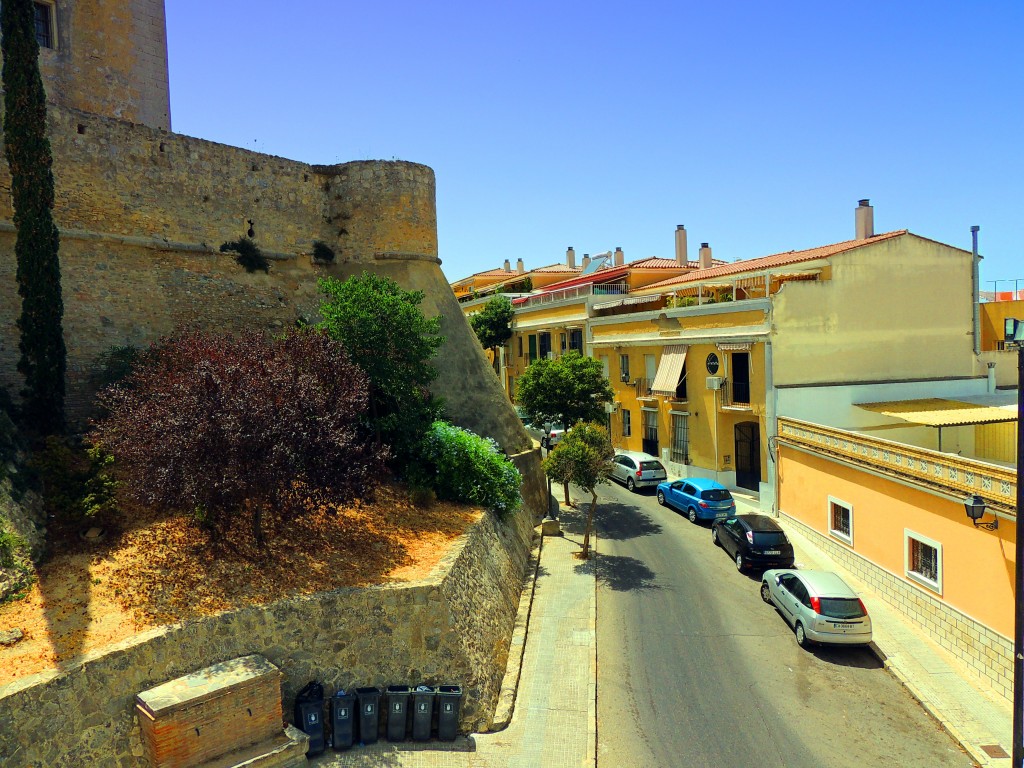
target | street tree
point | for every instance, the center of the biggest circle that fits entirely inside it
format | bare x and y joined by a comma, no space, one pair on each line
583,457
493,324
570,389
385,333
43,358
243,428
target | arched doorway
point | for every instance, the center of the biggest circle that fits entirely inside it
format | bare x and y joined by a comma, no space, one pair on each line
748,455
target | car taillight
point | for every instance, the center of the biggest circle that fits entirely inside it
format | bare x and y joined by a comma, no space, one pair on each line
815,604
750,537
862,608
639,473
702,504
552,434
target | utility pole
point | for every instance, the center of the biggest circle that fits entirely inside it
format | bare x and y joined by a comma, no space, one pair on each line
1014,337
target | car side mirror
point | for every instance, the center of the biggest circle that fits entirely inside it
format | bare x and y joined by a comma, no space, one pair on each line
778,581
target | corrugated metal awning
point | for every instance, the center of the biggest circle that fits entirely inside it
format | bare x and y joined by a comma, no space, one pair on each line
627,301
939,412
673,358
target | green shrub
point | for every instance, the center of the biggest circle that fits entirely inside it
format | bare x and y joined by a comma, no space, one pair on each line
76,483
10,544
115,365
462,466
249,254
422,496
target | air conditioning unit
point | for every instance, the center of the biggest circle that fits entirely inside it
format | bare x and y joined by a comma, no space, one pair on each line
714,382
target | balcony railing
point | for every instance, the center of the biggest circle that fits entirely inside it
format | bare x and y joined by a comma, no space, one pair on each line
610,289
940,471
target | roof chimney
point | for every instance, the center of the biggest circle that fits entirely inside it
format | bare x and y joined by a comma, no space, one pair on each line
520,268
570,258
586,260
865,220
705,256
507,266
619,257
681,258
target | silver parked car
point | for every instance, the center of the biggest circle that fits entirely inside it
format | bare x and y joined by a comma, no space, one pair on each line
548,435
637,470
819,605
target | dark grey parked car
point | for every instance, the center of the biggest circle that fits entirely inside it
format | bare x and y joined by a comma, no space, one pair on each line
753,541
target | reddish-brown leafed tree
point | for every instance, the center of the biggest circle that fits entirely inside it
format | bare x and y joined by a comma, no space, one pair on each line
223,425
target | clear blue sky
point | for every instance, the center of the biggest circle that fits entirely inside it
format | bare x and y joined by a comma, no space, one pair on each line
757,125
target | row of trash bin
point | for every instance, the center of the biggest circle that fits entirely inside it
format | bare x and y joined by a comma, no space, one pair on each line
355,717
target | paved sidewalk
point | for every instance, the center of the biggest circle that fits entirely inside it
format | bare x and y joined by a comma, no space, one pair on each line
973,714
554,716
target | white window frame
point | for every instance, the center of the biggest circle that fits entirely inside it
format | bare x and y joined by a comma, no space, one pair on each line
832,530
908,537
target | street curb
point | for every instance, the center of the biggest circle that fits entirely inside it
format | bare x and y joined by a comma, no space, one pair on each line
980,758
517,646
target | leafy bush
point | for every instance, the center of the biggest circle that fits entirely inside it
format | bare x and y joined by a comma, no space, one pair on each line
462,466
10,545
248,426
115,365
77,482
249,254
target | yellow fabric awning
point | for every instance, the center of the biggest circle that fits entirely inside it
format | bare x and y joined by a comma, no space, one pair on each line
673,357
939,412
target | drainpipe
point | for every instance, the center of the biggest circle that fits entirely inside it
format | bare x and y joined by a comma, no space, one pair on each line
976,298
771,429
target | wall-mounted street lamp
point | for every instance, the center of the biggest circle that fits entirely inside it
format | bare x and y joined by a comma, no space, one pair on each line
975,506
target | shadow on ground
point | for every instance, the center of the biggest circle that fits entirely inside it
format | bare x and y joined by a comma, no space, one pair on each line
621,522
619,573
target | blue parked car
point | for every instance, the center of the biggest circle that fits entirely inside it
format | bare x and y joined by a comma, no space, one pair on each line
699,498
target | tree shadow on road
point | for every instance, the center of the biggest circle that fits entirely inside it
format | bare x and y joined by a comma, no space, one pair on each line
619,573
621,522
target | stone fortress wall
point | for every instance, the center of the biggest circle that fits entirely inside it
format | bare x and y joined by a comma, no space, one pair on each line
432,631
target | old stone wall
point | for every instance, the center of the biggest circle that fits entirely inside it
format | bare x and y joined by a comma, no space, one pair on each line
452,627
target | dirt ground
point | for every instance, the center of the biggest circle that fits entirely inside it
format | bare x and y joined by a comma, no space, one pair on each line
150,570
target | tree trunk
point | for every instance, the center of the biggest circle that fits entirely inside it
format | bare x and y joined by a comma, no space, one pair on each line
590,523
565,487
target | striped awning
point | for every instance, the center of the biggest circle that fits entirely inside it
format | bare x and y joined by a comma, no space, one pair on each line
673,357
627,301
938,412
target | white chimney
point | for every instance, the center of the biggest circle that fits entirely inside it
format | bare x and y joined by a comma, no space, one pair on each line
865,220
705,256
620,257
586,260
681,257
507,266
520,268
570,257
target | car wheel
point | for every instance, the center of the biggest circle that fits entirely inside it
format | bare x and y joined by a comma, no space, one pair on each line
714,537
739,562
692,514
661,498
766,592
630,485
801,636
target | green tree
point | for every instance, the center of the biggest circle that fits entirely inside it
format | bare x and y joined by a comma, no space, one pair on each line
43,359
583,457
570,389
385,333
493,324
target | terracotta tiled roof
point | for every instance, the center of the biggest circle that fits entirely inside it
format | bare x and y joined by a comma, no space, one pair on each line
658,262
558,268
499,273
769,262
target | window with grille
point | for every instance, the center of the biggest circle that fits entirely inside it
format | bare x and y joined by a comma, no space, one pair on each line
627,427
576,339
923,560
624,367
840,520
680,439
44,24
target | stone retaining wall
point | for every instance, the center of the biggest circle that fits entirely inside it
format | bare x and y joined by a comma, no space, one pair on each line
987,653
452,627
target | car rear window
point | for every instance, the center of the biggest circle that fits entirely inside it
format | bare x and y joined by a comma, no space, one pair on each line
841,607
769,538
716,494
651,465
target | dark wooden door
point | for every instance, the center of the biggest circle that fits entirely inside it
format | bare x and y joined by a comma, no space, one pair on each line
748,455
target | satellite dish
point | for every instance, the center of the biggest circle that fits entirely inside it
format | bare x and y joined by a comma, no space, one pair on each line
597,262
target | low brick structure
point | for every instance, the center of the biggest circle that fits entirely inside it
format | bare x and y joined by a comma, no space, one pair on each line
220,709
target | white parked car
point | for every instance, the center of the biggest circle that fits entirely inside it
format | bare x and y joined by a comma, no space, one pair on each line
637,470
819,605
548,435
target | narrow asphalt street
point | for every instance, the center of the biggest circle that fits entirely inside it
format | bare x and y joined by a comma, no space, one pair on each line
695,670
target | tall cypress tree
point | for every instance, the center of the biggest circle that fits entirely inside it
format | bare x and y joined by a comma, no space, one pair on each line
43,359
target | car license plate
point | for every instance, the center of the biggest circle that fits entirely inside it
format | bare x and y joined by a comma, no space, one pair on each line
772,552
721,514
